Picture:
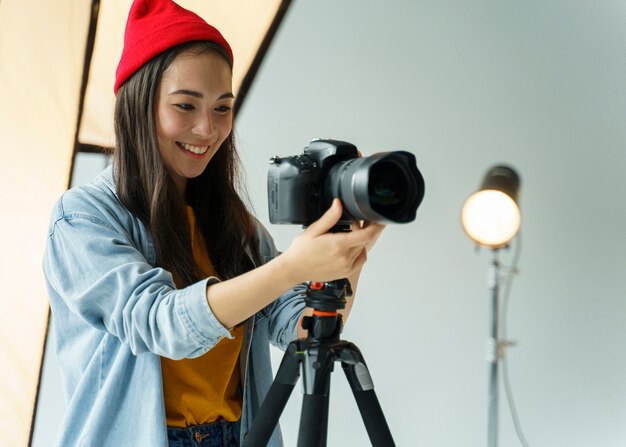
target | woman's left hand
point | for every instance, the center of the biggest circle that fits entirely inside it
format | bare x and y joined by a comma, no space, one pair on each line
359,225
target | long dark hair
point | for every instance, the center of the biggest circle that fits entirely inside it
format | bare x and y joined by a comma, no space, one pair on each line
146,189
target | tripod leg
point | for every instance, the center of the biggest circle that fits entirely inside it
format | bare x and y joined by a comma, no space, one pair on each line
313,421
363,389
267,418
317,366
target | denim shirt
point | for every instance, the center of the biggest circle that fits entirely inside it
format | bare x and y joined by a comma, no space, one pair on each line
115,314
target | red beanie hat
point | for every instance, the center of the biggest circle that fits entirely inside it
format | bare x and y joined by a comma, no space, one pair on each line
156,25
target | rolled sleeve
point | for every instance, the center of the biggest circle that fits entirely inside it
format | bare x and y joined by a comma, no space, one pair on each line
94,268
196,314
284,316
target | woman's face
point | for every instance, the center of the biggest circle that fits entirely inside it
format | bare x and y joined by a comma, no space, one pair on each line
194,116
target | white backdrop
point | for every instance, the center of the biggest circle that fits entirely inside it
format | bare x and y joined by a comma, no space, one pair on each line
464,85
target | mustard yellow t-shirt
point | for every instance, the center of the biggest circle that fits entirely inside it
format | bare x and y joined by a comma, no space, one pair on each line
204,389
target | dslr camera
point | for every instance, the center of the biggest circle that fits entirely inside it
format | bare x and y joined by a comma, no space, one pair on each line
386,187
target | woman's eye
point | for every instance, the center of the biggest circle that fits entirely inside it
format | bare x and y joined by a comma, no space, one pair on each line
223,109
184,106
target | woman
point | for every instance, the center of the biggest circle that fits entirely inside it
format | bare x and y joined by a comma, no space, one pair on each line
164,290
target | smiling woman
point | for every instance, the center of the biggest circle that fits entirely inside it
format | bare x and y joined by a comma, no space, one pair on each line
184,96
165,290
193,112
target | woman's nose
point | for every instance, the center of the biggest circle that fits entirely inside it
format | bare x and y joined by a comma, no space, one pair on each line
204,126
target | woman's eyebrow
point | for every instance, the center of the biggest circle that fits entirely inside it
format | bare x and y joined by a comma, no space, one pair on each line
193,93
196,94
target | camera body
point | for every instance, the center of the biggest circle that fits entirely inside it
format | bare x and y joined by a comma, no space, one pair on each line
385,187
295,184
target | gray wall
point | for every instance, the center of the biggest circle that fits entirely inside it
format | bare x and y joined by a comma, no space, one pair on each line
465,85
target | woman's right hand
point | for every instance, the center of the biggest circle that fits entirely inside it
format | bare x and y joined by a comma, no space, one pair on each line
317,255
314,255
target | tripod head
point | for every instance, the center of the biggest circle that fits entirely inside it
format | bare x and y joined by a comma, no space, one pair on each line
326,298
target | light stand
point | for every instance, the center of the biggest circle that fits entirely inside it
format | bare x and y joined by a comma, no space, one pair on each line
491,218
493,350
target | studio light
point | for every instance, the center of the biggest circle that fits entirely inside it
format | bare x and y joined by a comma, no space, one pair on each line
491,216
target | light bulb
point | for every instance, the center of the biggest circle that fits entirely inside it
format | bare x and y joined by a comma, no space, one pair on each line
491,218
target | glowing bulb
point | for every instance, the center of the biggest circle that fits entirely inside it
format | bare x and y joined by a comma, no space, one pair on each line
491,218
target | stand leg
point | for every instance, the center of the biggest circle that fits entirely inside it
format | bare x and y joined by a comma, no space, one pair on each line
286,378
493,359
318,364
363,389
314,421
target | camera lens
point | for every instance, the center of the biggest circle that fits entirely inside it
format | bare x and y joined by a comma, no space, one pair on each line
386,193
386,187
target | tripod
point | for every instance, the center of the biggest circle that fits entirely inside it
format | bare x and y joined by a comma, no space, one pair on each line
316,356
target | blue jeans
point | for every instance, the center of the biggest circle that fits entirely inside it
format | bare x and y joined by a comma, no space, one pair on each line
216,434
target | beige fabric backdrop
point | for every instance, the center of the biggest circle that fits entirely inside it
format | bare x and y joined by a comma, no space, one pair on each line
41,63
42,46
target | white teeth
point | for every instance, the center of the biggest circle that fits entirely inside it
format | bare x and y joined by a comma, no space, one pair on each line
195,149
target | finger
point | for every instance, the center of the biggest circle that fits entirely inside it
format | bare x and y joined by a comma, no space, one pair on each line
376,228
328,220
371,223
363,235
356,225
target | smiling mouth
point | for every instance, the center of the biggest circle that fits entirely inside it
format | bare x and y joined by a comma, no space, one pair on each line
198,150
